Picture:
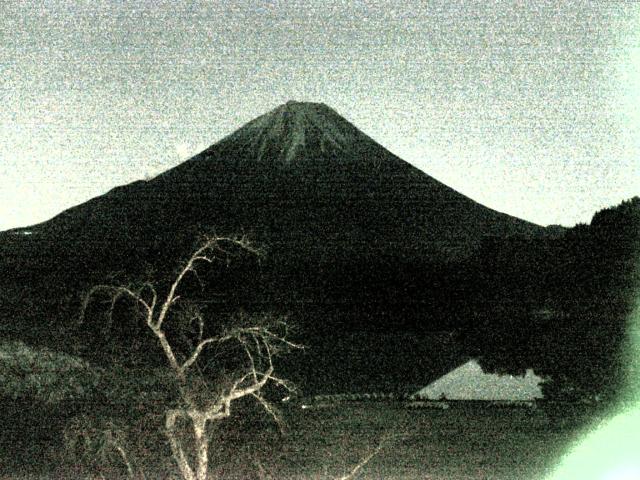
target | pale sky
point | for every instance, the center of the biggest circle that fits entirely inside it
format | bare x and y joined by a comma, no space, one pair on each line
529,107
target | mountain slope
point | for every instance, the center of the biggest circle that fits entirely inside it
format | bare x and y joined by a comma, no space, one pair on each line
358,242
297,172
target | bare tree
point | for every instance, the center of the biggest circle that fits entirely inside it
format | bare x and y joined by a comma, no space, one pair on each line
200,401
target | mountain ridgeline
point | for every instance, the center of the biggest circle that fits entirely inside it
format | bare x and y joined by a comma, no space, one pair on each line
390,276
298,176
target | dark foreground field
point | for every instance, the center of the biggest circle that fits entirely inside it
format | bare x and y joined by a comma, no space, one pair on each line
464,442
467,441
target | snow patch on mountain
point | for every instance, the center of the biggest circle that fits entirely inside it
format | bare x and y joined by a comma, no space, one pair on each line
295,128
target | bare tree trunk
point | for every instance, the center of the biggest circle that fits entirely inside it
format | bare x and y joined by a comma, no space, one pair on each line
176,449
202,444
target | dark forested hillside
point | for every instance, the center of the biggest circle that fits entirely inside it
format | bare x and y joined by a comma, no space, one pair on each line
568,301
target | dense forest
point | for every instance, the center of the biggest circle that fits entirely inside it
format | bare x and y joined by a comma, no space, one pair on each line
561,305
556,303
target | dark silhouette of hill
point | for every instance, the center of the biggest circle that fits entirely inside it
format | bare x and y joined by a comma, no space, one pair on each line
387,272
562,305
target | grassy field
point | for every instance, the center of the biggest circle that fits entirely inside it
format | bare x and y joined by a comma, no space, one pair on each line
466,441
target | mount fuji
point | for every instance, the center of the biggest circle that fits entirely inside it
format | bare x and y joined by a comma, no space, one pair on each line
364,250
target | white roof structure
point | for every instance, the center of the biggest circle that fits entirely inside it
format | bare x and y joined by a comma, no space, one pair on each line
469,382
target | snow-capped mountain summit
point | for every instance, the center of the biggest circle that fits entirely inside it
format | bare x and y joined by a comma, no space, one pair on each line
296,130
